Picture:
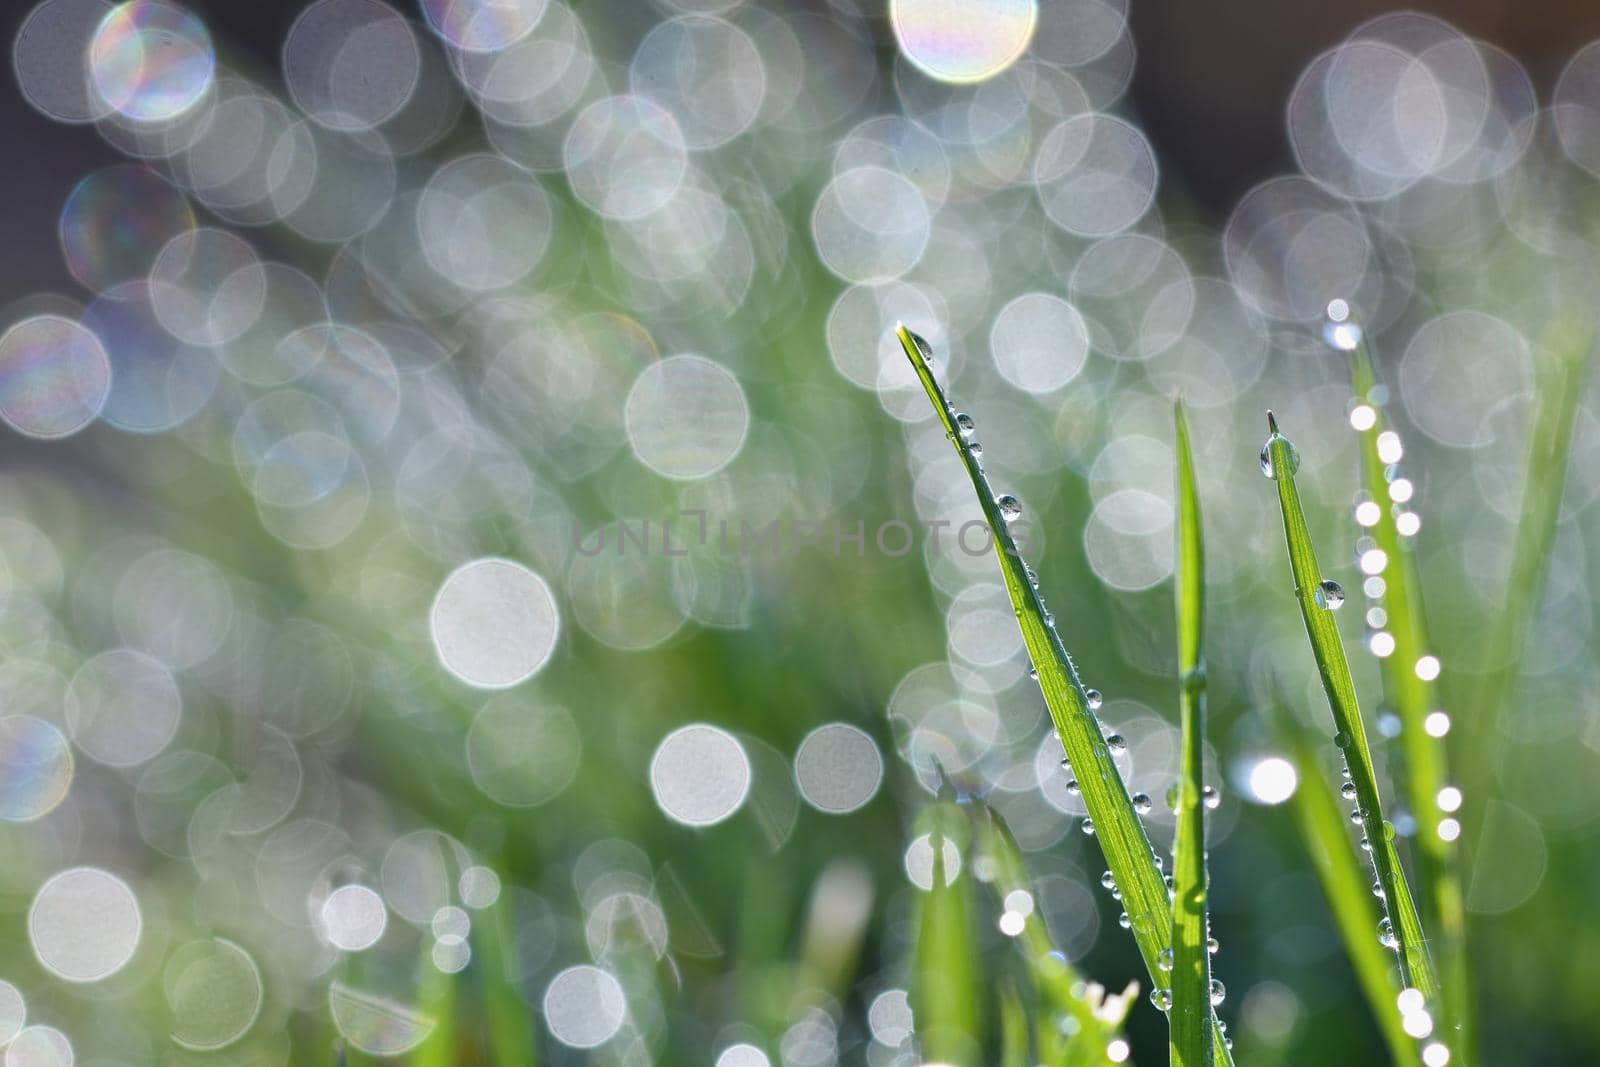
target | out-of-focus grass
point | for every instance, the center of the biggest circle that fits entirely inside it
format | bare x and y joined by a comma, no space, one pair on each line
1060,992
1117,826
944,990
1321,824
1411,697
1191,962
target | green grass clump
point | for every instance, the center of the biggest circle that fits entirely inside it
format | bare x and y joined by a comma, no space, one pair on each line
1118,828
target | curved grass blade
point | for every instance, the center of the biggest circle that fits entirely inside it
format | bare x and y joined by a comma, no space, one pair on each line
1416,970
1095,1039
1316,812
945,987
1191,964
1118,829
1412,698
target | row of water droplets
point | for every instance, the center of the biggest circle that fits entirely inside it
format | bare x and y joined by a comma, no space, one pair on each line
1018,905
1012,511
1343,333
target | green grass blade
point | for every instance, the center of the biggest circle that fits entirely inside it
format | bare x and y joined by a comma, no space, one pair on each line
1568,349
945,988
1191,964
1412,698
1118,829
1416,970
510,1028
1013,1028
1096,1019
1321,823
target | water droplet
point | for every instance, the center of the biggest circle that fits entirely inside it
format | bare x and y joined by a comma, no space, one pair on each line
1219,992
1164,960
1010,507
1049,620
1117,744
1033,575
1212,945
1087,827
1094,698
976,448
1377,890
1266,455
1211,797
1355,816
1161,998
1124,922
923,348
1108,880
1348,790
1341,739
1141,803
1329,595
1033,672
1072,787
1171,884
1386,936
965,424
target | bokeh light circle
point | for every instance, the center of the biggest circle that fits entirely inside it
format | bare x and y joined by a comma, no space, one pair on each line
84,924
625,156
151,61
214,992
584,1006
870,225
686,417
521,753
494,623
351,64
36,768
54,376
1039,342
963,40
838,768
50,55
40,1046
353,918
700,775
123,707
116,221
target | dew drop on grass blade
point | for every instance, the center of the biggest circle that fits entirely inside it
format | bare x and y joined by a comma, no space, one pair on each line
1279,461
1117,826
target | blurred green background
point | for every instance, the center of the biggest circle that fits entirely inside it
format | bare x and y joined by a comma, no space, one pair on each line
292,761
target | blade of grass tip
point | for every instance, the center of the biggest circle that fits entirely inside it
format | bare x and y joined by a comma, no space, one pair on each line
1190,995
945,988
1321,823
1401,925
1117,826
1083,1026
1409,688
